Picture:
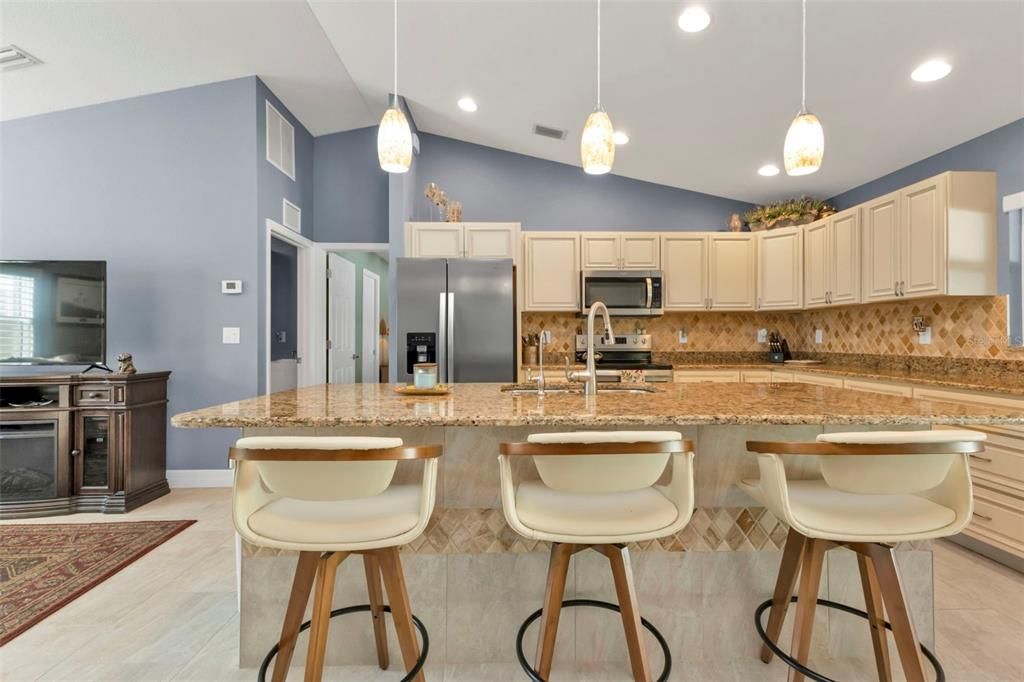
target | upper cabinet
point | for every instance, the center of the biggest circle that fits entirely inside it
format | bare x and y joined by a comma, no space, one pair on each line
780,269
620,250
684,265
462,240
551,270
732,269
831,266
708,271
935,237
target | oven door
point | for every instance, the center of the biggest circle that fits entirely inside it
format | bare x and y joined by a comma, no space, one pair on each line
633,294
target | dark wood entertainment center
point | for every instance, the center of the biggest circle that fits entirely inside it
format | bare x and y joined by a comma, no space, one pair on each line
82,443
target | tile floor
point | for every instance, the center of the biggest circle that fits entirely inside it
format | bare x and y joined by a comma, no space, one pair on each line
172,616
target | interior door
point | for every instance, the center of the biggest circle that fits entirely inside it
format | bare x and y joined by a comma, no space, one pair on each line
816,264
371,328
341,320
880,271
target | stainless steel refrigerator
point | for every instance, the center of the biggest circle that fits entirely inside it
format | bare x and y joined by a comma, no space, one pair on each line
459,313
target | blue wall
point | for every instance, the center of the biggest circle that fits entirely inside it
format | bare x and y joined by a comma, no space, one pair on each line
1002,151
164,188
350,195
496,185
273,185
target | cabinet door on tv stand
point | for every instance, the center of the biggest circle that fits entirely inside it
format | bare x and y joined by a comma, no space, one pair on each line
98,437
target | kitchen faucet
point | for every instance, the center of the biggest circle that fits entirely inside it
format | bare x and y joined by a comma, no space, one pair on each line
590,375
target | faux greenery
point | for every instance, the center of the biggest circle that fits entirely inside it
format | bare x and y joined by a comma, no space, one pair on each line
802,208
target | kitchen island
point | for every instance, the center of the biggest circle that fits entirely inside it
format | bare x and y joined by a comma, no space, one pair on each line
472,580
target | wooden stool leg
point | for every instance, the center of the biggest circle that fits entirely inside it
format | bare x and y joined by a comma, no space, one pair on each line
376,594
876,617
803,624
401,613
323,597
622,573
789,569
899,615
302,584
558,569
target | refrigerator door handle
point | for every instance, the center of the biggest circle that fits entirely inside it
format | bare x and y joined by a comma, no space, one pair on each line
442,340
450,338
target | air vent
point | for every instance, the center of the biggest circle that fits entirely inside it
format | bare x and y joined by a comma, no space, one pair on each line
13,57
553,133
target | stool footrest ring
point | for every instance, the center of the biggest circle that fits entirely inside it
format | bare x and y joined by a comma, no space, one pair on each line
425,644
940,674
532,674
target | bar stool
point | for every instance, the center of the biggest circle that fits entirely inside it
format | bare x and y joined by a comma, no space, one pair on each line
877,489
328,498
597,491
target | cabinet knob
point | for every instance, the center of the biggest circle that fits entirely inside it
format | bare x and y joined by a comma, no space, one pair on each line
76,452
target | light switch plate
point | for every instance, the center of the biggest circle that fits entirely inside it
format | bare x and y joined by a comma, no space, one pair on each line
231,335
925,338
684,337
762,336
819,336
231,286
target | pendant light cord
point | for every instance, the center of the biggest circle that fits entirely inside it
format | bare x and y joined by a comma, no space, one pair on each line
395,40
598,54
803,60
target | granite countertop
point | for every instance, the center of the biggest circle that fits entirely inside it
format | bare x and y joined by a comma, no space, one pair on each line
680,404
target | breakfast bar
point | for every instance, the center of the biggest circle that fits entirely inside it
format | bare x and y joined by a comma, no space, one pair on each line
474,580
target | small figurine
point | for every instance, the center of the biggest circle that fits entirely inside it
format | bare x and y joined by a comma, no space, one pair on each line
125,364
735,224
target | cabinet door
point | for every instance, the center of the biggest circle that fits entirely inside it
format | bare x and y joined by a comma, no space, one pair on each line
435,240
552,270
780,269
640,250
880,260
684,266
600,251
96,437
844,257
731,271
923,238
491,240
686,376
816,264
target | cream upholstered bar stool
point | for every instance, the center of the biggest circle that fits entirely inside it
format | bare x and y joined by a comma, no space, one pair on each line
878,488
329,498
597,490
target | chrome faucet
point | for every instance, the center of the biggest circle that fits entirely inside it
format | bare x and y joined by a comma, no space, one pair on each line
590,375
540,356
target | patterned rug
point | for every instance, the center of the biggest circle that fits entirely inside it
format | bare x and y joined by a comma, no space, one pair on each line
44,567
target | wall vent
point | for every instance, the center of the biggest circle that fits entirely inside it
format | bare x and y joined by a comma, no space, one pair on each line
291,216
13,57
280,141
545,131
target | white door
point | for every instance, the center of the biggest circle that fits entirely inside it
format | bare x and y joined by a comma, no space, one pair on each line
600,251
371,328
492,240
780,269
731,271
844,247
341,320
640,250
816,264
880,273
684,264
434,240
922,238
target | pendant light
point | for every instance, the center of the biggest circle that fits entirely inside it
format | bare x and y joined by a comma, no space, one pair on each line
597,146
394,139
805,141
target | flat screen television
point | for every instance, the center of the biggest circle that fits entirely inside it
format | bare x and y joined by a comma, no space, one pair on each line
53,312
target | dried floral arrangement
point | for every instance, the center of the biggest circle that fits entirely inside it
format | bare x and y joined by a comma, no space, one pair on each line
799,211
448,210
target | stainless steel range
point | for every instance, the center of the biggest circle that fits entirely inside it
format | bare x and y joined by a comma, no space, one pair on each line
629,352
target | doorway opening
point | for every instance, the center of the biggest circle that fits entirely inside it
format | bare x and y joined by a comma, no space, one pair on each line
284,315
357,315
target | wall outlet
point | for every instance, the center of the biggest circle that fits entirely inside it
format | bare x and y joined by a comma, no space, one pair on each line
545,337
819,336
684,337
762,336
231,335
925,338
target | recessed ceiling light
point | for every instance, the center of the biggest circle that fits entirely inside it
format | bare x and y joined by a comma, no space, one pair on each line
467,104
931,70
694,19
620,137
768,170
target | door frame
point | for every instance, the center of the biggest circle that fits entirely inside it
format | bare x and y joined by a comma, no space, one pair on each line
374,332
311,333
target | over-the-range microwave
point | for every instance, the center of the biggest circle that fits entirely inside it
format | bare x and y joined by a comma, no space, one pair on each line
632,293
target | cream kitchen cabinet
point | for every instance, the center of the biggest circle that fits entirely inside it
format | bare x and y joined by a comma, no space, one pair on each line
620,250
700,376
462,240
780,269
817,380
935,237
766,376
684,265
551,271
832,268
732,268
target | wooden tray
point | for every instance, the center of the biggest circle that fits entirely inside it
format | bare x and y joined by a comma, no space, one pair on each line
410,389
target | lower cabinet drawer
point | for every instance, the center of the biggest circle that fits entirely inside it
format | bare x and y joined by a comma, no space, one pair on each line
696,377
97,395
998,519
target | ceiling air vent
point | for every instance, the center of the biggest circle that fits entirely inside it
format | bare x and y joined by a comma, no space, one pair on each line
13,57
545,131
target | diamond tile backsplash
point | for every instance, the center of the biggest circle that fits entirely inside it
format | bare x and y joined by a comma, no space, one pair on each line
962,327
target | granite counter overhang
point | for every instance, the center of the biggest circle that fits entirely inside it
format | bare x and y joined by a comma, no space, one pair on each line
484,405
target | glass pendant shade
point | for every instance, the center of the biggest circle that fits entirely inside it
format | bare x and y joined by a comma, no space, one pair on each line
805,145
597,146
394,142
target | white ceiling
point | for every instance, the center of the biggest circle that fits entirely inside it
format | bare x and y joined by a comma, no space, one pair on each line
704,110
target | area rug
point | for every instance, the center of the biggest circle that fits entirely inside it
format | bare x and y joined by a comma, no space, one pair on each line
45,566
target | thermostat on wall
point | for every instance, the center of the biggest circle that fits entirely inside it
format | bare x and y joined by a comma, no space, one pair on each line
231,286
